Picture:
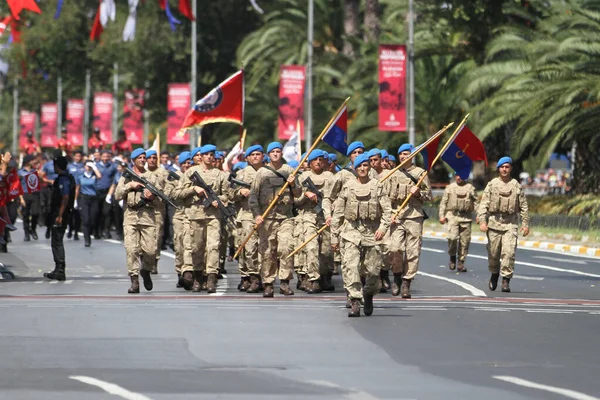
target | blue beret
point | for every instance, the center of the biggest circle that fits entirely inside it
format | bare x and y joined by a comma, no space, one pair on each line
392,158
374,152
361,159
137,152
504,160
302,156
239,165
325,155
207,148
219,154
267,159
384,154
353,146
274,145
253,148
406,147
332,157
184,156
293,163
195,151
315,154
150,153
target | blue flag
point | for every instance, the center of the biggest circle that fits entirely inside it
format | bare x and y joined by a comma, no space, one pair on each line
337,135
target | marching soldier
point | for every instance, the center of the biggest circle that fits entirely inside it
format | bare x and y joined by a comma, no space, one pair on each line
248,262
139,223
205,224
162,176
366,210
407,227
276,231
456,209
498,215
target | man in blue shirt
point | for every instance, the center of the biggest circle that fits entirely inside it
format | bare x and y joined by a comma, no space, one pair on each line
75,168
107,169
48,177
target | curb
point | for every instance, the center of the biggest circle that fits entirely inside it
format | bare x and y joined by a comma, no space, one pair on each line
531,244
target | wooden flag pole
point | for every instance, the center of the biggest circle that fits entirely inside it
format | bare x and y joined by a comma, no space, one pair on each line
286,184
321,230
437,157
243,139
417,151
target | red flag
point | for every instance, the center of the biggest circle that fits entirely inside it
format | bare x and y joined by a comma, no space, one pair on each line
162,4
186,9
4,24
33,182
14,185
97,28
292,81
225,103
16,6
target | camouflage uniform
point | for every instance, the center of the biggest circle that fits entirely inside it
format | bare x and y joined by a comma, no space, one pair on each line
162,177
181,228
500,206
457,206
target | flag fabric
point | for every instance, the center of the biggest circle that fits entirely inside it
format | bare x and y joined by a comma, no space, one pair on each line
256,6
129,30
58,9
107,11
14,185
32,181
4,24
16,6
186,10
291,149
96,27
233,154
164,4
337,135
225,103
15,32
460,154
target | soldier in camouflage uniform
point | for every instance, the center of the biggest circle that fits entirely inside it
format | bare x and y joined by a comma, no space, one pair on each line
365,210
498,215
139,223
162,176
456,209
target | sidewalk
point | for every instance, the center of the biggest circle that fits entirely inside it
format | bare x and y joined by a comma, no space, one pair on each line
543,243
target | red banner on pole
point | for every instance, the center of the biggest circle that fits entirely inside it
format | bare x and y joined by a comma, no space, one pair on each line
27,124
49,120
74,121
133,116
392,87
178,105
292,80
102,115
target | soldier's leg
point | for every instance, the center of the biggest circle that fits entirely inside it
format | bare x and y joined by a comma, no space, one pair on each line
268,250
453,237
396,246
223,238
312,257
494,248
300,260
414,237
213,242
148,248
198,243
386,263
187,268
465,241
372,268
250,257
242,263
285,245
159,221
507,256
178,234
132,249
326,260
351,260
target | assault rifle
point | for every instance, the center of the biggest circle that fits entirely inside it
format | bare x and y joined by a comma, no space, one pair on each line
311,187
173,176
233,181
128,173
211,196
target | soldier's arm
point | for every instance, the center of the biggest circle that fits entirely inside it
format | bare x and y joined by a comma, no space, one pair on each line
254,193
484,205
326,203
297,189
386,210
524,208
184,188
236,192
338,214
425,188
475,199
121,190
226,192
443,204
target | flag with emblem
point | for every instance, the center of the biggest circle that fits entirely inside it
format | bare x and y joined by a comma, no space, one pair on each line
337,135
14,185
225,103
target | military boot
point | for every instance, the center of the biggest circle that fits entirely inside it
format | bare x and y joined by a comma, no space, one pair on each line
147,279
58,274
396,285
26,230
269,292
336,268
222,270
461,266
405,289
135,285
506,285
254,285
452,264
348,302
354,308
197,286
384,276
211,285
300,283
240,286
179,283
204,282
285,289
315,287
154,269
368,307
187,280
76,236
327,283
493,283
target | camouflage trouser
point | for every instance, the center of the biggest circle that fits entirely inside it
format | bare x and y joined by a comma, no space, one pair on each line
459,238
159,218
205,237
386,254
182,244
406,238
501,248
360,261
140,247
248,260
300,257
276,242
319,257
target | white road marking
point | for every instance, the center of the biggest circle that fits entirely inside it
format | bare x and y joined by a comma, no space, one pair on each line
527,264
112,241
528,278
433,250
563,260
221,289
110,388
68,282
474,291
353,393
572,394
170,255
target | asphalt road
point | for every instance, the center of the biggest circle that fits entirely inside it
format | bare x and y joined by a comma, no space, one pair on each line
86,338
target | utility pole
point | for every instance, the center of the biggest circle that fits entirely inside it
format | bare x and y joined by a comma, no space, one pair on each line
146,114
59,107
86,110
194,132
411,72
309,74
115,116
15,142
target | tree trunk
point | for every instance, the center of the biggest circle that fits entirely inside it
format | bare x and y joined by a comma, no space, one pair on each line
371,23
351,24
586,177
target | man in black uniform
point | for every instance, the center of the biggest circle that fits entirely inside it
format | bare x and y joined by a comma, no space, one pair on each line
61,209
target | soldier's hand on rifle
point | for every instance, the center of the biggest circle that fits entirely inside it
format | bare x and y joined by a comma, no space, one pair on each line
215,204
292,180
379,235
134,185
199,191
148,195
443,220
328,221
311,196
245,192
415,191
259,220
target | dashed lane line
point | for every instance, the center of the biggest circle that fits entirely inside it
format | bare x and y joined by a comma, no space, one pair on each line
110,388
572,394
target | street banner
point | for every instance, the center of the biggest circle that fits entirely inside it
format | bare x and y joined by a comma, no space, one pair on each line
133,116
49,120
178,105
26,123
103,114
392,87
74,121
292,81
